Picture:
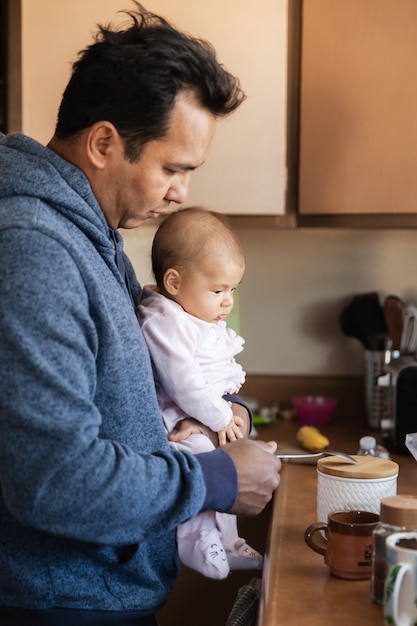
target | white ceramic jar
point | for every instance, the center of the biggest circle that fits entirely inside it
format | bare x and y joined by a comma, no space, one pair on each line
357,486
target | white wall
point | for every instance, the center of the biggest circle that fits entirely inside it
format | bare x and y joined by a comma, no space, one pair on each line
295,286
298,282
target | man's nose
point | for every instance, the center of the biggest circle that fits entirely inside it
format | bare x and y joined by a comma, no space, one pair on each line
178,191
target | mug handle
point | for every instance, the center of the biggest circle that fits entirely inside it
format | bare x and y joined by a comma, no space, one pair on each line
393,583
310,539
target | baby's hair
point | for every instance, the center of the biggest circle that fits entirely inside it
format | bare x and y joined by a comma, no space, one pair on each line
186,236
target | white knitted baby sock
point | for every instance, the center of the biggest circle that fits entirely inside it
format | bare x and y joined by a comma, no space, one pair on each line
206,555
240,555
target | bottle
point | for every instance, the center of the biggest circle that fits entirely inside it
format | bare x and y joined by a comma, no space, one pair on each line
397,513
369,447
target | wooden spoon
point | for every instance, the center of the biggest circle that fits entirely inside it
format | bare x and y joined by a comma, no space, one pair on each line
394,312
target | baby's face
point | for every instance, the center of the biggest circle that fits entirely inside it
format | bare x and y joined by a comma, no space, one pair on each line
207,291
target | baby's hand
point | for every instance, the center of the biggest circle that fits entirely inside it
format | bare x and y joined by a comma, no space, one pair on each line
232,431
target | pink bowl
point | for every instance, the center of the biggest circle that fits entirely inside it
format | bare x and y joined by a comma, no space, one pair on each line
314,410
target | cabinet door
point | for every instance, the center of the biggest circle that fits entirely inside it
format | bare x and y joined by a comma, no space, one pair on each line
246,170
358,126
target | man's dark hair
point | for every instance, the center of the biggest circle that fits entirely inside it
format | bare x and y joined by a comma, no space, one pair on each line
131,77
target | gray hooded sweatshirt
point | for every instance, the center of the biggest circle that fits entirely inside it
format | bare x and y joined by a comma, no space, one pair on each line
90,492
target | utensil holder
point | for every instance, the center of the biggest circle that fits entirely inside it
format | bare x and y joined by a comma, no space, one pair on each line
376,395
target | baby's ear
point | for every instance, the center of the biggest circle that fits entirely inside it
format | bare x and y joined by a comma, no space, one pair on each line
172,281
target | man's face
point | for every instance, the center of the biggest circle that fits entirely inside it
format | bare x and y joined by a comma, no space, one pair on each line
135,192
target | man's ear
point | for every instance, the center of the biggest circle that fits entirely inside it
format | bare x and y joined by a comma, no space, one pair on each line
102,138
172,281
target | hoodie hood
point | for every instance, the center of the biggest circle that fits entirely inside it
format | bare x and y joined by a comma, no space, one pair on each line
30,170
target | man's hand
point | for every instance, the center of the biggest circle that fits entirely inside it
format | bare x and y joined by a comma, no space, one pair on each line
191,426
256,465
258,474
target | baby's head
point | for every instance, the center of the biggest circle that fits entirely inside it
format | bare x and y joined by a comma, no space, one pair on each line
198,261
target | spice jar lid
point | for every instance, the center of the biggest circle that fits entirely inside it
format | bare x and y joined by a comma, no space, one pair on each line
399,511
369,467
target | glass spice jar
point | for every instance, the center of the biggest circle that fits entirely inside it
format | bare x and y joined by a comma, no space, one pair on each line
397,513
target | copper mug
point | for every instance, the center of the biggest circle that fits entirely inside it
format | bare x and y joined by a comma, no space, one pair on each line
346,544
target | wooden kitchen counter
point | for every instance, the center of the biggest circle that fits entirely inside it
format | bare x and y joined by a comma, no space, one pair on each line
297,587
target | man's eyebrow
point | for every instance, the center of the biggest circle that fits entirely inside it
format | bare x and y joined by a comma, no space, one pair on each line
183,167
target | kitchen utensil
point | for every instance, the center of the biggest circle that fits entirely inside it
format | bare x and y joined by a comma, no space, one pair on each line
408,343
317,455
376,387
394,314
364,319
350,327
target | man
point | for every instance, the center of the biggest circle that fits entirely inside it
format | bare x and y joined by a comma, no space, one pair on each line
91,493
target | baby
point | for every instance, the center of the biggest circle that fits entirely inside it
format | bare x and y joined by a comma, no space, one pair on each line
198,263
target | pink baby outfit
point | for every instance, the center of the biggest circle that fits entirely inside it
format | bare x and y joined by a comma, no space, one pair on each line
194,366
193,362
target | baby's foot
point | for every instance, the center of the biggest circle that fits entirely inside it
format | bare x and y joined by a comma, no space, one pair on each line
243,556
206,555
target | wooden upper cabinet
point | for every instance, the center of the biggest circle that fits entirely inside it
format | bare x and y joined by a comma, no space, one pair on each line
246,172
358,107
3,67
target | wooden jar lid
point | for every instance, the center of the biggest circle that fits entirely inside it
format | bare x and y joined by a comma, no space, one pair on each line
369,467
399,511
